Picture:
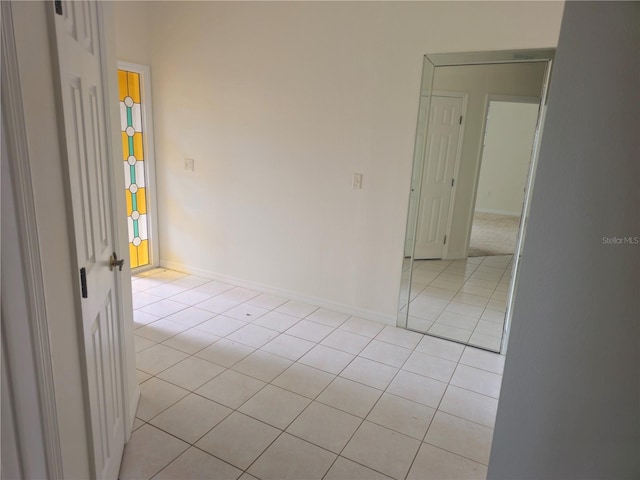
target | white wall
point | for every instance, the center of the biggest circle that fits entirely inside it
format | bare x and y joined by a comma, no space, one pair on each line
132,31
279,103
570,401
478,81
506,157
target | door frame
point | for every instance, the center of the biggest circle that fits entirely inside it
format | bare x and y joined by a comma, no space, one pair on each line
16,141
148,145
490,97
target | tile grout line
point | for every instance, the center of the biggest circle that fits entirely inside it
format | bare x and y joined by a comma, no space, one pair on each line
458,291
376,403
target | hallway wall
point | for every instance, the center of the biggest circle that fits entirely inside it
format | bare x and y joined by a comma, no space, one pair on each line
573,365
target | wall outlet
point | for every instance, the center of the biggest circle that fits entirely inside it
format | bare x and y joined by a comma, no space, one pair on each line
356,183
189,164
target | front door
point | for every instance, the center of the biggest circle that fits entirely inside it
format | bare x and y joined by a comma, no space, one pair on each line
80,62
441,154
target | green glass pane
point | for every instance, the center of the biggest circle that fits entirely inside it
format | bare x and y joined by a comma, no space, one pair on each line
132,173
130,146
136,233
129,117
134,202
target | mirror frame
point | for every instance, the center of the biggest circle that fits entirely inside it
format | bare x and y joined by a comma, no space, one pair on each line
430,63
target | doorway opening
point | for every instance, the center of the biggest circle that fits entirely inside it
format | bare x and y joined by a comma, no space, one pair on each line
510,126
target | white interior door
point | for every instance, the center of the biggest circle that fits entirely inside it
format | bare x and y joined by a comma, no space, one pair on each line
437,177
85,124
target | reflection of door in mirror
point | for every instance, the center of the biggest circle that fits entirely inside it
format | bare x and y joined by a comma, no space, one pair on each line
441,156
450,293
480,83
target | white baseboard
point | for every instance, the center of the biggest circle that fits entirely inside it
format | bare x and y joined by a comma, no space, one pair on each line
498,212
455,256
281,292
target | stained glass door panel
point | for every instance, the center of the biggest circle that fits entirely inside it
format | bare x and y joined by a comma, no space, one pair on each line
134,166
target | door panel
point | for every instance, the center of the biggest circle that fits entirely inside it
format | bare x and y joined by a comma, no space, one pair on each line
437,179
102,176
85,128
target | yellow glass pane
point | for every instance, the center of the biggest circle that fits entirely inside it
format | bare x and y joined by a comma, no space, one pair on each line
141,198
134,86
129,203
143,253
125,146
137,146
133,255
122,84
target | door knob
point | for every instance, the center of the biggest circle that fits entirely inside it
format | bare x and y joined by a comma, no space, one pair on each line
114,262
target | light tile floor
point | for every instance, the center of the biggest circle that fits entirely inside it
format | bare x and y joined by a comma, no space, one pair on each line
236,383
462,300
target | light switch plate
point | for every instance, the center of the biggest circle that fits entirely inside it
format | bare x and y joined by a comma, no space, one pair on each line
357,181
